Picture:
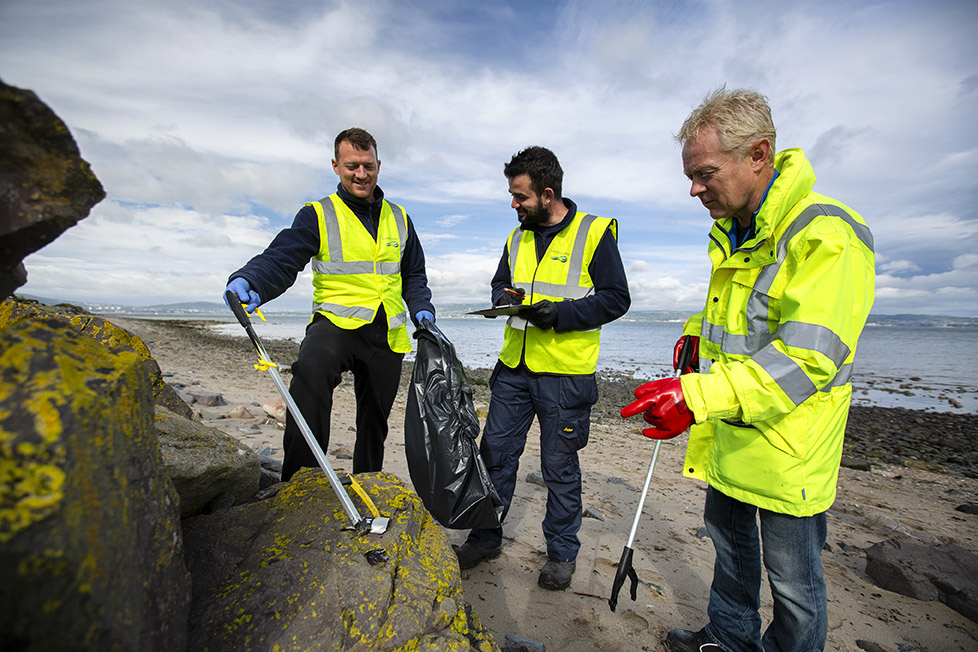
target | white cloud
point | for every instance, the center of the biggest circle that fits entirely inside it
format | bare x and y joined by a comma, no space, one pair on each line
461,278
224,115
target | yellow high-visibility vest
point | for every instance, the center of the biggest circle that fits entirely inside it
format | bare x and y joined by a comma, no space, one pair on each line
562,275
353,274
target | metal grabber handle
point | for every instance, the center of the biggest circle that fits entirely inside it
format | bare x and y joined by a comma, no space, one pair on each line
625,568
360,524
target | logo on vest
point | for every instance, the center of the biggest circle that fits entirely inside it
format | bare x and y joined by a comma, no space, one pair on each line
392,242
560,256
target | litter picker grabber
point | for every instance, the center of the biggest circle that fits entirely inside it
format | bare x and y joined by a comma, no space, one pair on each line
374,525
625,568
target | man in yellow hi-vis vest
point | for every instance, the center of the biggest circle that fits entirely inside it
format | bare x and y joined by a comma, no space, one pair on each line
563,266
367,263
791,288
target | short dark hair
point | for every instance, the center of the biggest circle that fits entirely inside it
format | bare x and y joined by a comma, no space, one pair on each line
541,165
357,137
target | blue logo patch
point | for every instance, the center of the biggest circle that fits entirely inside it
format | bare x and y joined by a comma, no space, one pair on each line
393,243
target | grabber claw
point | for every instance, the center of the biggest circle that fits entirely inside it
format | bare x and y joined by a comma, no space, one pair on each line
376,524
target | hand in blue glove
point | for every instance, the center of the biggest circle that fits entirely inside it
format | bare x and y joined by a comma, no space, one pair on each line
422,315
245,294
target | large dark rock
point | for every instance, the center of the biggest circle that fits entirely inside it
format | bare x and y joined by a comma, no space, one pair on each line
205,464
284,574
90,538
944,572
45,186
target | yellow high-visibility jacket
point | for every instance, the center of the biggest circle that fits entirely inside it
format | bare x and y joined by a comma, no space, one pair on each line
353,273
783,315
562,275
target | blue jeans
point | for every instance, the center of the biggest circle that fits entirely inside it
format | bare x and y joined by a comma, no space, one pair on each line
792,557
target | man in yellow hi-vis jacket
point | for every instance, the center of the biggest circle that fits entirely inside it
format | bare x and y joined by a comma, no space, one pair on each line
791,287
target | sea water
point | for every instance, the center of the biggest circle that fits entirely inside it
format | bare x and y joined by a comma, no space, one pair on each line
918,367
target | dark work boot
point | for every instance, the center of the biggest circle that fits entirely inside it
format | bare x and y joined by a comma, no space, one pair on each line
556,575
470,555
683,640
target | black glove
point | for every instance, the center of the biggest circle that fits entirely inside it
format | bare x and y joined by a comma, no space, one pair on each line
542,314
511,297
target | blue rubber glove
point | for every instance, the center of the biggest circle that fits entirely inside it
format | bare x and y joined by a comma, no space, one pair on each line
245,294
424,314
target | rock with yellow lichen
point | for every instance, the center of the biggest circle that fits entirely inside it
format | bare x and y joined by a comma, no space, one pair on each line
284,574
91,554
105,332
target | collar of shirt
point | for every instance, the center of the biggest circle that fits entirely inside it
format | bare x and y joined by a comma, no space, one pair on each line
739,235
361,207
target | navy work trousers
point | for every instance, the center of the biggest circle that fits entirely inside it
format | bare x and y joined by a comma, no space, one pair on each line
562,404
325,353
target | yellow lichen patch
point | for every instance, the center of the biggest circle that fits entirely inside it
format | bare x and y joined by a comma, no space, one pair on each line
29,492
277,551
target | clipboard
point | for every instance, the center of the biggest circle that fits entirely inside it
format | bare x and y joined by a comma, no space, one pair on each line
498,311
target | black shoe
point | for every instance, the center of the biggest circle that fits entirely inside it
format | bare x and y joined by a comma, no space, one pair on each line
556,575
470,555
683,640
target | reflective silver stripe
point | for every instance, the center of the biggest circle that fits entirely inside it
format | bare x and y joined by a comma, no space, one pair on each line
797,334
401,220
861,230
341,268
577,253
355,267
733,343
844,377
334,243
516,322
353,312
397,320
786,373
814,337
562,291
514,250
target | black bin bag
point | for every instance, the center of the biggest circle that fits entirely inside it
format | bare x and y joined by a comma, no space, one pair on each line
440,429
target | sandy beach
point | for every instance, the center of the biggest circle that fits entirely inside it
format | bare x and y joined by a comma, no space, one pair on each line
673,557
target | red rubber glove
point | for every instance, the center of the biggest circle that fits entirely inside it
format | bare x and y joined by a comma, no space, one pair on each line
694,361
664,406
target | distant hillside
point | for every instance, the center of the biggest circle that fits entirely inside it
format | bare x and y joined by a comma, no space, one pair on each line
214,309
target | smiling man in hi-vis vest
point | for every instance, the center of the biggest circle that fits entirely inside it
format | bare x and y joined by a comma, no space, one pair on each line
790,290
367,263
563,266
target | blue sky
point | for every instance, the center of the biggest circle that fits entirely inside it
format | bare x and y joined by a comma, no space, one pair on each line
209,124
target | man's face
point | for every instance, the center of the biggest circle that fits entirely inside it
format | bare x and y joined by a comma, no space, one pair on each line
528,204
357,170
724,181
